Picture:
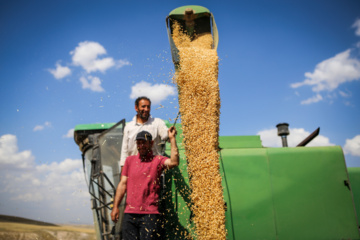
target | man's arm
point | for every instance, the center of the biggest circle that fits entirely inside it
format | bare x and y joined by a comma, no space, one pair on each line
120,192
173,161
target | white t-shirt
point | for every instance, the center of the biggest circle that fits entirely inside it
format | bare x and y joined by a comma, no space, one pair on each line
155,126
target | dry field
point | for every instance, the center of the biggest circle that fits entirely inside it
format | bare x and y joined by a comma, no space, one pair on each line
24,229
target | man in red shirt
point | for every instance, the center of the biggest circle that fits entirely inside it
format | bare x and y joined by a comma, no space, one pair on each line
140,179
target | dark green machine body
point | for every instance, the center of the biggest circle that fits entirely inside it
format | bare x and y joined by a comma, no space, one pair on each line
272,193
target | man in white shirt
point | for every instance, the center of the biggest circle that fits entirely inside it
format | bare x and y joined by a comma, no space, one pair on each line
142,122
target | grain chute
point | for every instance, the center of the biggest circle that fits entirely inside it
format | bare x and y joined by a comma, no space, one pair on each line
194,20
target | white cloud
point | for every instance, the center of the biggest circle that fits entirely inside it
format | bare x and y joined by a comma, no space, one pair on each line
122,62
68,165
29,197
313,99
332,72
70,134
156,92
347,103
38,128
86,55
345,94
356,25
270,138
33,191
92,83
60,72
352,146
42,127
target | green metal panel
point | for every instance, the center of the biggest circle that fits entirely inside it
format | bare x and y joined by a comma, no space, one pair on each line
248,183
354,176
309,195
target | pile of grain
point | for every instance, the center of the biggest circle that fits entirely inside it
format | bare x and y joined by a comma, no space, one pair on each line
199,102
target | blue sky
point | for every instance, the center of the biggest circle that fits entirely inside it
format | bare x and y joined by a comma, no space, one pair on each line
64,63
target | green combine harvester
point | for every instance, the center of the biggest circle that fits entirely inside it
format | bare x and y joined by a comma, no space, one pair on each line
288,193
270,193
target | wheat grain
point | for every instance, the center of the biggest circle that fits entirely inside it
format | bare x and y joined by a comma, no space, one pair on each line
199,104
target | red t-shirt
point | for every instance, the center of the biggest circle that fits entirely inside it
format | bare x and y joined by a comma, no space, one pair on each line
143,184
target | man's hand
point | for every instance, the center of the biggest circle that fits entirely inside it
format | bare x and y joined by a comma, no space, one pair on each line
172,132
173,161
120,192
115,214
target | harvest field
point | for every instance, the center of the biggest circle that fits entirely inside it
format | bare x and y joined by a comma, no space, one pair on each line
13,228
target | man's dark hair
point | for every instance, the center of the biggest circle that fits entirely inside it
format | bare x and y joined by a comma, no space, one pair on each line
141,98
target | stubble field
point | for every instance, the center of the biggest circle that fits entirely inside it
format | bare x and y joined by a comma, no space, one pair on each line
14,228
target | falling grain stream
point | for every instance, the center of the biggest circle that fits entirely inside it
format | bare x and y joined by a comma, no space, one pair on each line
199,103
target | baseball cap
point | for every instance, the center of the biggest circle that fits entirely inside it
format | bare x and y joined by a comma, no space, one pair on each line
144,135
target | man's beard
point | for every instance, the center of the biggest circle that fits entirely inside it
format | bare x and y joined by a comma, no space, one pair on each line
143,115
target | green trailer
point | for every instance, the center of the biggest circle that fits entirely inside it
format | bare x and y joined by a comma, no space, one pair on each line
270,193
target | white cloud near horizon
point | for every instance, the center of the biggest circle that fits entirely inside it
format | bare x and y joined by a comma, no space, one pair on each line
86,55
352,146
69,134
156,92
32,190
269,138
42,127
92,83
60,72
332,72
